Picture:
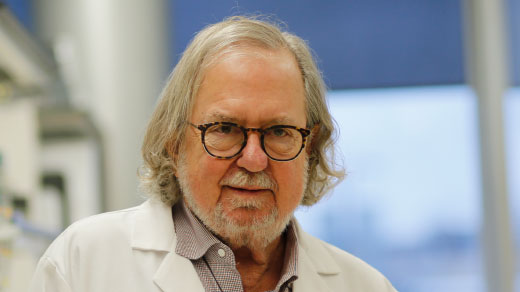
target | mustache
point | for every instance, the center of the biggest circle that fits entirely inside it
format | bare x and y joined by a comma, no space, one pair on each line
242,179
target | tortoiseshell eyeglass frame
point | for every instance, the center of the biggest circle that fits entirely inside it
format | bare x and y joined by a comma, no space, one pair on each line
203,127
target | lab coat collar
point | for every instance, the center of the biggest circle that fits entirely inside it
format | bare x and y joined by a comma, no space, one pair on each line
154,231
176,273
153,227
314,262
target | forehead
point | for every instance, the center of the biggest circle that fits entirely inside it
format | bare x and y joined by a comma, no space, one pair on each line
252,85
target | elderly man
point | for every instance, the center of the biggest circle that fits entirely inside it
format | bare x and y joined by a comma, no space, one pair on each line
241,137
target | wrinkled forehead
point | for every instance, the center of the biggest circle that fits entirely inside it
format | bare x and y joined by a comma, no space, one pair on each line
252,84
240,50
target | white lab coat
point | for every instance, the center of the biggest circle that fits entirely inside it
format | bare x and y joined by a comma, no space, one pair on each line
134,250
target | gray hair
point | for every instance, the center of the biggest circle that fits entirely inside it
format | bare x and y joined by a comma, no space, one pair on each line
167,126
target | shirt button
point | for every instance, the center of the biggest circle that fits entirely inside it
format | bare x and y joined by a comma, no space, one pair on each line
221,253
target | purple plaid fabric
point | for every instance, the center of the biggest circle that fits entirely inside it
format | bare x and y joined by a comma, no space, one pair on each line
197,243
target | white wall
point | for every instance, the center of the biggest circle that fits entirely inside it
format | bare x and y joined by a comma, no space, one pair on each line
19,146
114,58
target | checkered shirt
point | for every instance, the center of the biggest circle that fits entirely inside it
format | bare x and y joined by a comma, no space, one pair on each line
197,243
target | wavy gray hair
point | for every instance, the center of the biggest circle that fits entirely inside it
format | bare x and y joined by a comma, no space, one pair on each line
167,126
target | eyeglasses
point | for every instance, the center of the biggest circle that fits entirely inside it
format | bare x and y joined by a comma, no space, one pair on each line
226,140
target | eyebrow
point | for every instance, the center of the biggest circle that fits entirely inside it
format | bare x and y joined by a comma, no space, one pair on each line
219,117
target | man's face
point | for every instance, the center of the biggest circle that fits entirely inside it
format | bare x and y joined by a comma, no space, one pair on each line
246,200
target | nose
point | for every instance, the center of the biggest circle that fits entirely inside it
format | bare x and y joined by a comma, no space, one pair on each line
253,157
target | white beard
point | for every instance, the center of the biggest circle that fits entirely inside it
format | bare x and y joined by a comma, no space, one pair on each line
258,232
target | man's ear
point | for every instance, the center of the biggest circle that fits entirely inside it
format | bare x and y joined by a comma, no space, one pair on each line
315,131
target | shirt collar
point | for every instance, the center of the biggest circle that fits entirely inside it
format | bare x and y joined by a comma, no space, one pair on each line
290,263
193,238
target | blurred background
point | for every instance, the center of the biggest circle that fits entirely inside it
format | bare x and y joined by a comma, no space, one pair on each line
426,95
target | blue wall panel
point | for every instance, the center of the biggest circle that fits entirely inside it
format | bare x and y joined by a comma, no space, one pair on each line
370,43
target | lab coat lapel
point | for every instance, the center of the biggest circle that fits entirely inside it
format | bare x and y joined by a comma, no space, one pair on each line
153,231
177,273
309,280
315,264
153,227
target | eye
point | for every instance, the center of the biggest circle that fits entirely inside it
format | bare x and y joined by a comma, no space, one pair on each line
279,132
224,129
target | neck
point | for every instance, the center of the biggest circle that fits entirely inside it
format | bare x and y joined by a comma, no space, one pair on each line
260,267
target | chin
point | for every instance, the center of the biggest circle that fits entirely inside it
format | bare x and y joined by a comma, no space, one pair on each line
243,229
248,230
248,217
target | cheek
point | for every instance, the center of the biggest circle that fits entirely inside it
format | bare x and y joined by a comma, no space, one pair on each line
291,185
204,174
